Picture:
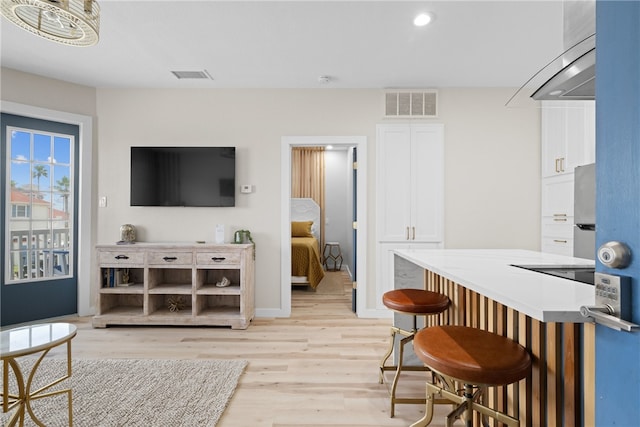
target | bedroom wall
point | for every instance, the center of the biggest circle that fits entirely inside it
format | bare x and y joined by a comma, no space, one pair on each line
492,160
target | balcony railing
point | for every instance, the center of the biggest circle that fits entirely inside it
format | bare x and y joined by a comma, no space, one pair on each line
39,254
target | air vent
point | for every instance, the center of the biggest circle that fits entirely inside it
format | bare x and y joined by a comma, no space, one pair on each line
414,103
192,75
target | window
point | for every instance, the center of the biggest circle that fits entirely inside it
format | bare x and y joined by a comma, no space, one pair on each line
19,211
39,169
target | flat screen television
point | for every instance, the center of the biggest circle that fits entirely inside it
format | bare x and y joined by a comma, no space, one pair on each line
183,176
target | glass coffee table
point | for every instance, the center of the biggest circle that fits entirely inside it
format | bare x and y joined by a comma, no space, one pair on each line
24,341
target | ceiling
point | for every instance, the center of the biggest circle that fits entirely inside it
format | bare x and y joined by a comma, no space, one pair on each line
290,44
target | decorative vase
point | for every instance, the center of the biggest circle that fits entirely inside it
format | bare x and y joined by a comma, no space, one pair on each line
127,233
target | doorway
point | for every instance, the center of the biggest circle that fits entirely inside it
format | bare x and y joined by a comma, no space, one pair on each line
359,267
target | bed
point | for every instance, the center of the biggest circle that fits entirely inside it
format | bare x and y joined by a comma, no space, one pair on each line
306,264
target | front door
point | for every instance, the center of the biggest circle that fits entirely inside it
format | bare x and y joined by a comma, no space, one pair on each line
39,217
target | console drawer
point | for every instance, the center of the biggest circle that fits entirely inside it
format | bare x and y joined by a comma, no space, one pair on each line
120,258
170,258
218,258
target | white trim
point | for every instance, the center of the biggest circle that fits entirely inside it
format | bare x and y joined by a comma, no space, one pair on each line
85,217
285,223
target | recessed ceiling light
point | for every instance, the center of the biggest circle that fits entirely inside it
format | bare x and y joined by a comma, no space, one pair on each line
422,19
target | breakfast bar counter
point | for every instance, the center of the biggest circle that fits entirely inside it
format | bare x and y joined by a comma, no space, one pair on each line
491,273
539,311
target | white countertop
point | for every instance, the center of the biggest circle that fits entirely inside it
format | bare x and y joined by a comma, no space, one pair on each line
489,273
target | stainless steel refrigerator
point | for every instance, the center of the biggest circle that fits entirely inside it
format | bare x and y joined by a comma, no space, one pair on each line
584,212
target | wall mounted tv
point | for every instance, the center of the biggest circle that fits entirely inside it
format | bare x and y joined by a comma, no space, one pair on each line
183,176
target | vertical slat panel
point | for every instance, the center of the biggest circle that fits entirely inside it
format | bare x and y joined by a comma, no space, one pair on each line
554,378
538,373
589,372
571,341
501,330
512,389
524,338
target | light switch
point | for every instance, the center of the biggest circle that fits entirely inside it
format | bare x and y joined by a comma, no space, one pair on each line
246,189
103,202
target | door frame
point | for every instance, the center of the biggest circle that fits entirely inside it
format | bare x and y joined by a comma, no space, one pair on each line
84,247
287,143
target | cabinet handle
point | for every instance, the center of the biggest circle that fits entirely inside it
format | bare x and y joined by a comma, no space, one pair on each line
559,241
557,169
413,229
121,257
407,233
561,164
560,217
218,259
170,258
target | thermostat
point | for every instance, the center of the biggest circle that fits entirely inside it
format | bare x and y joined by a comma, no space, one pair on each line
246,188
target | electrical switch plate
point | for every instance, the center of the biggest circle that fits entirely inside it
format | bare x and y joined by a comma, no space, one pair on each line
246,188
103,202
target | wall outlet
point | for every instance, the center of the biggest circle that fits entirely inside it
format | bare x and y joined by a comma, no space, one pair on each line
246,189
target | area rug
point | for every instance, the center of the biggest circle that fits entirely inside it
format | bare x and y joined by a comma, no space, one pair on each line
333,283
114,392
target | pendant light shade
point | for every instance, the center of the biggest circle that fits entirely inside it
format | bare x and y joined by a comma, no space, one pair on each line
70,22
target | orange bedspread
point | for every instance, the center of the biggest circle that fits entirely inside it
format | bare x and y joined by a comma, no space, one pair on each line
305,259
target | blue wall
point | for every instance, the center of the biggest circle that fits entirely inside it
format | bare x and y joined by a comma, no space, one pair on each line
618,199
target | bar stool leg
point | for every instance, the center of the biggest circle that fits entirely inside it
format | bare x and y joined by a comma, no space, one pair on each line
408,337
394,331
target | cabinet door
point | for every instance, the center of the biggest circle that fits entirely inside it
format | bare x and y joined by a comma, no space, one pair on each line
553,119
568,136
427,182
557,197
393,184
580,135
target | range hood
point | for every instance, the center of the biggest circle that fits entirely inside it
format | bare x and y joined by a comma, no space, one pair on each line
572,75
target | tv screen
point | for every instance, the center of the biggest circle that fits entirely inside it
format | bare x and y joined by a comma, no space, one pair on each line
183,176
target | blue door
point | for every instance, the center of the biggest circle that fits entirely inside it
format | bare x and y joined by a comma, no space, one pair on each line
39,217
354,293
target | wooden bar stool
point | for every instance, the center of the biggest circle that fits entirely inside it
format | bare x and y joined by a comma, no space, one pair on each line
477,359
413,302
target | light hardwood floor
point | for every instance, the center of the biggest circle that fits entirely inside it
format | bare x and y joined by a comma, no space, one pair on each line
317,368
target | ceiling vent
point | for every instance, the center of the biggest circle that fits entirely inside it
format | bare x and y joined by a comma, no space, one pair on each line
192,75
416,103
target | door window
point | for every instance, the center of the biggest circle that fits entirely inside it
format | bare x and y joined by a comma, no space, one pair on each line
40,199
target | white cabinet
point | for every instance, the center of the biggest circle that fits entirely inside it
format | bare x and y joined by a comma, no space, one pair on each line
409,193
557,215
568,136
175,284
568,140
410,169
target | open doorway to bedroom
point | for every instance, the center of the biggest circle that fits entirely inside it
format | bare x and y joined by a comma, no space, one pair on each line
345,195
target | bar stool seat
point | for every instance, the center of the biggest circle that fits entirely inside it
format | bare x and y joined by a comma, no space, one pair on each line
474,357
413,302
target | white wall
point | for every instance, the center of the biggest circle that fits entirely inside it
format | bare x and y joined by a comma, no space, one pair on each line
492,160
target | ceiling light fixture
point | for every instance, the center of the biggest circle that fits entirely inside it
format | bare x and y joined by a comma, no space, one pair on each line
423,19
70,22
